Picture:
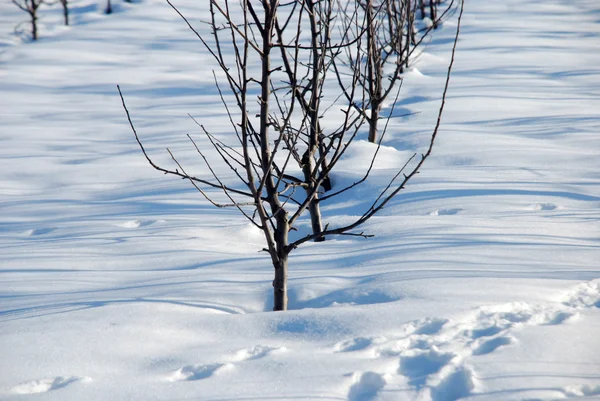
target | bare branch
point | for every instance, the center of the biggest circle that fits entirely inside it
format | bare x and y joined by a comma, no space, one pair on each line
166,171
377,207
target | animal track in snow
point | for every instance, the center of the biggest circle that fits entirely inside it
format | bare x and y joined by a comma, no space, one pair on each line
418,364
353,344
39,231
489,346
484,332
584,295
458,382
517,314
199,372
433,353
544,206
446,212
430,326
204,371
49,384
582,391
366,386
256,352
139,223
561,317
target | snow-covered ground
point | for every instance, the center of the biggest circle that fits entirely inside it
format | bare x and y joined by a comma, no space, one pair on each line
482,281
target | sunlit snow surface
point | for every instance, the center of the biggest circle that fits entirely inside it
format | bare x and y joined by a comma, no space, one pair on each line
482,281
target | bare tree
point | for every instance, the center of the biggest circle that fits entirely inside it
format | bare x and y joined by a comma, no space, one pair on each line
433,11
282,150
30,7
391,39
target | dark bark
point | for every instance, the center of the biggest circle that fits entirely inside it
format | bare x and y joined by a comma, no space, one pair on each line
409,12
326,184
317,25
433,13
31,8
422,7
374,122
65,5
280,297
411,28
372,69
34,34
281,218
314,210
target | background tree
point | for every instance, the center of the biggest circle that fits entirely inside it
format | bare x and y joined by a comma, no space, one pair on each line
391,39
30,7
433,13
280,150
65,6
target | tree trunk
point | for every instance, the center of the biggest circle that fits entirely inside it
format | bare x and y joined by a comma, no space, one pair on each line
372,69
108,9
65,5
326,184
316,220
409,11
411,27
34,34
279,252
432,12
280,298
375,73
308,159
373,121
376,95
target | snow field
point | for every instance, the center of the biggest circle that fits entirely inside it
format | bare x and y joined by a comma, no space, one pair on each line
117,283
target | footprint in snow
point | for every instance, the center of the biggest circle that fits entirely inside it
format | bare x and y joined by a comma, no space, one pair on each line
419,334
139,223
365,386
561,317
446,212
484,332
39,231
199,372
514,314
427,326
582,391
256,352
430,326
544,206
45,385
418,364
353,344
491,345
456,383
443,375
584,295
